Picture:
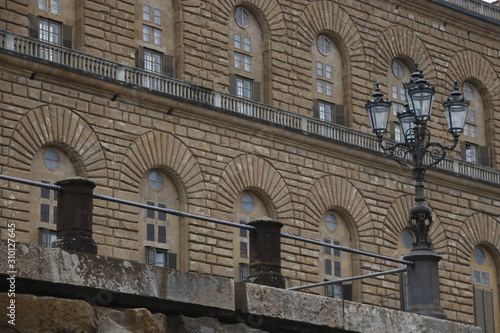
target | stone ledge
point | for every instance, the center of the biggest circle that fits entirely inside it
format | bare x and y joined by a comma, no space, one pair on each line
117,276
302,308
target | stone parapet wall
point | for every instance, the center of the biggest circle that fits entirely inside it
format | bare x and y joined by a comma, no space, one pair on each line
87,293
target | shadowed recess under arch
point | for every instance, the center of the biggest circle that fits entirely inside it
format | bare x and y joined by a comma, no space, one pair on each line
336,192
156,149
478,229
252,172
322,16
55,125
269,13
466,65
397,220
398,42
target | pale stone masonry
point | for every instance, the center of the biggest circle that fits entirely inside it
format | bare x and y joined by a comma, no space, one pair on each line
115,132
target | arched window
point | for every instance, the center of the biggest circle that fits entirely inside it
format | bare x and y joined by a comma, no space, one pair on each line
160,232
474,147
50,164
398,73
249,207
485,284
156,35
405,244
246,55
327,74
335,264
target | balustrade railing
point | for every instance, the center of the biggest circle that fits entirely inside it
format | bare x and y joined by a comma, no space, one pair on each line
75,60
477,6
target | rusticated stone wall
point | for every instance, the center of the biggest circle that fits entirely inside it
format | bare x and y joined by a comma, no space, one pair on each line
214,155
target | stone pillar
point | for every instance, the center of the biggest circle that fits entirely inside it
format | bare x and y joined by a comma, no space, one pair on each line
74,216
423,284
265,253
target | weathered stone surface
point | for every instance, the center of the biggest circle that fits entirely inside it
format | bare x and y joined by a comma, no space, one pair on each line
183,324
48,315
289,305
120,276
129,321
366,318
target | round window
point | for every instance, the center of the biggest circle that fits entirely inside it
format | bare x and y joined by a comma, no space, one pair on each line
248,202
468,91
51,160
398,69
324,45
331,222
479,256
407,239
155,181
242,17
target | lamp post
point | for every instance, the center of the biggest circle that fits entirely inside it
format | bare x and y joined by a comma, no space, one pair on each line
417,152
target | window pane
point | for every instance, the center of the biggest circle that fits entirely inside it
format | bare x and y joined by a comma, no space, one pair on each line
155,181
161,259
329,89
243,250
45,192
248,63
42,4
157,37
150,213
55,7
328,267
150,229
44,213
319,68
242,17
237,41
479,256
54,33
331,222
162,234
321,88
51,160
162,216
44,31
157,14
328,250
247,44
338,272
395,92
146,13
328,72
54,209
243,232
476,276
146,33
237,60
336,252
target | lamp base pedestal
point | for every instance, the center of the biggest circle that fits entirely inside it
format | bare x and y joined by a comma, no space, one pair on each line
423,284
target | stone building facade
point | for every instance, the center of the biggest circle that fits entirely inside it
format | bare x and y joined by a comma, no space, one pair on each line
241,109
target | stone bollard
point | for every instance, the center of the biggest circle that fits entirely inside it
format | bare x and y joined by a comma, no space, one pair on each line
74,218
265,253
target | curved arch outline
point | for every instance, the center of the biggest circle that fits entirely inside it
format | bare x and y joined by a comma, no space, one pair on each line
162,150
398,42
47,125
254,173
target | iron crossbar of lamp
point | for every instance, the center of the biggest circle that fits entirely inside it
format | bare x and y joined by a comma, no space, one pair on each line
416,150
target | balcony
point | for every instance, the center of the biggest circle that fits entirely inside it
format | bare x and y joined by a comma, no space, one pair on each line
114,72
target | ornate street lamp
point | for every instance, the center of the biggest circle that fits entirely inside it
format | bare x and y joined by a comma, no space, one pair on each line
419,153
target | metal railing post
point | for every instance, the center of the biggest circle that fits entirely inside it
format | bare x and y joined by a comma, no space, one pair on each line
74,218
265,253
